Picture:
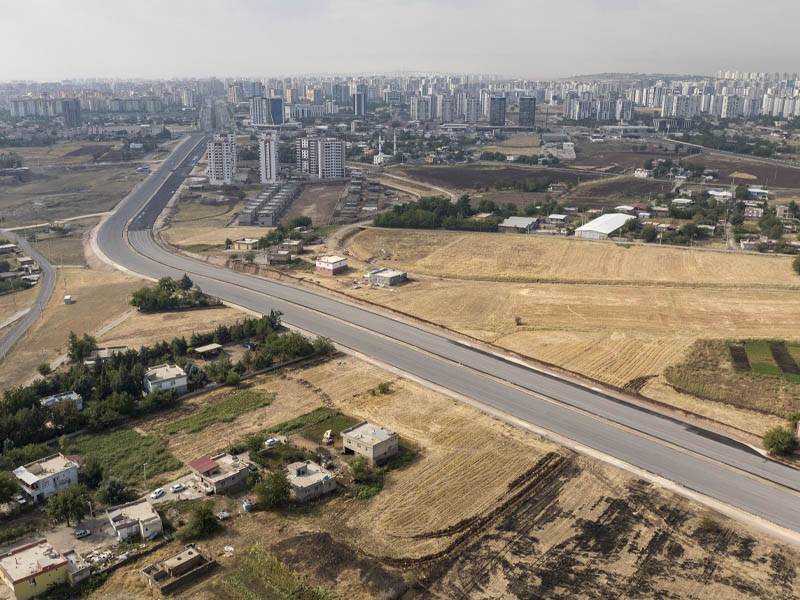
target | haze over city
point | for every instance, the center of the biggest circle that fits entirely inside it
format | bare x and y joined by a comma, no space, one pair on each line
399,300
53,40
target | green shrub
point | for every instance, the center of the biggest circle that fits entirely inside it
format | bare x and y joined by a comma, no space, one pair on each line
780,441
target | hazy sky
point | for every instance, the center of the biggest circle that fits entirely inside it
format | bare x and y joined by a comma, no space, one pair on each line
60,39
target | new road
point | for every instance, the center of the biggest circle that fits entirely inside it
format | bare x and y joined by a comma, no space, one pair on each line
47,283
696,459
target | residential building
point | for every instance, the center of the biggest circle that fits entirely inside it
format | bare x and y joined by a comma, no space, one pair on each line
753,213
624,110
603,226
276,112
309,480
757,193
497,111
259,111
183,567
268,157
137,518
73,397
527,111
245,244
643,173
517,225
187,98
220,474
373,442
221,156
71,112
387,277
472,110
331,265
30,569
359,104
321,157
165,378
420,108
446,110
42,478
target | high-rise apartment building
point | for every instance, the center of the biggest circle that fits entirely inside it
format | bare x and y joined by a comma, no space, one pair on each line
268,157
187,98
497,111
321,157
420,108
624,110
359,104
276,111
447,106
527,111
71,111
221,156
472,110
259,111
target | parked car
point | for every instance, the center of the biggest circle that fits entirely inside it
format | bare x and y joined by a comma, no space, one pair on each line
223,514
157,493
247,505
252,467
271,443
249,345
82,533
177,487
20,499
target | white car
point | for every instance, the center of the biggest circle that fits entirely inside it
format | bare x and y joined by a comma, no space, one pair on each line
20,499
177,487
271,443
157,493
82,533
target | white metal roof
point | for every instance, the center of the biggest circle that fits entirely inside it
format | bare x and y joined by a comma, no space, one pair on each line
607,223
518,222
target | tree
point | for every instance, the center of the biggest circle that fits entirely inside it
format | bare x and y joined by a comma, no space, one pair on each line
232,379
43,368
249,256
649,233
202,523
275,491
8,488
91,471
780,441
70,504
796,265
185,283
112,491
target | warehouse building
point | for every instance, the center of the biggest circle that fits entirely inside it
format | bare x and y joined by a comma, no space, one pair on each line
603,227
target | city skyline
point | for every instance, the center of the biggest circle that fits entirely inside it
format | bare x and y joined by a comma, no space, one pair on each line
527,39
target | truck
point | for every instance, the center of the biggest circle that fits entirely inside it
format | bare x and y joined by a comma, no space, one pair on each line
247,505
327,438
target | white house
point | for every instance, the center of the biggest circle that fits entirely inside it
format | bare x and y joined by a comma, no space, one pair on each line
331,265
137,518
309,480
165,378
44,477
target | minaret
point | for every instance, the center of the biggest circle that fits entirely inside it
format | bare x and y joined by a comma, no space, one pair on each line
394,150
380,145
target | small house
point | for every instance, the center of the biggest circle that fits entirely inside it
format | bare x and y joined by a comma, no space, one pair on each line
245,244
518,225
309,480
387,277
371,441
331,265
220,474
165,378
137,518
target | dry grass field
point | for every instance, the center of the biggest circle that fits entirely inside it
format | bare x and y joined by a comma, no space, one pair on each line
67,153
193,225
68,249
317,202
99,298
55,193
606,311
486,511
140,329
526,145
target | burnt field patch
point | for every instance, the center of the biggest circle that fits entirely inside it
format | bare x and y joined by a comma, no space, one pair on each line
601,192
769,174
739,358
468,176
783,359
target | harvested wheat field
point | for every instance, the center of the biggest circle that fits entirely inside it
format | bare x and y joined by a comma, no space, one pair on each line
11,304
99,297
532,258
485,511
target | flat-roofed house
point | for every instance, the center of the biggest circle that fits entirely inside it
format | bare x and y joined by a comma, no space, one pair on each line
42,478
309,480
245,244
371,441
165,378
73,397
221,473
137,518
331,265
518,225
30,569
181,568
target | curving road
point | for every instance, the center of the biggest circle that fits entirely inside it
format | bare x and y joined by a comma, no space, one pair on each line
47,283
697,459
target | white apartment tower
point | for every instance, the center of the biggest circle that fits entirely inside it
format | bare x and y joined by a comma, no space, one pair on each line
221,156
473,110
268,157
321,157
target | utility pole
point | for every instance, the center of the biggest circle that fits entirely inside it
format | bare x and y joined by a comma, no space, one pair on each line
144,467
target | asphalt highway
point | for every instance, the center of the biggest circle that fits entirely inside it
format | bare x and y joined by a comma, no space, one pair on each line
47,283
694,458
